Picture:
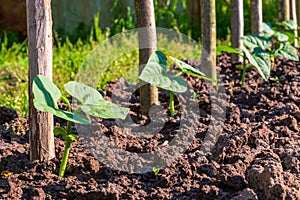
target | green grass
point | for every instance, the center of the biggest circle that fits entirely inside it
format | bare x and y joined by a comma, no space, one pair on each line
13,75
68,58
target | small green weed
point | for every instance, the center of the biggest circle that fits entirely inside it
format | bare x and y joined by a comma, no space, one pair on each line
155,170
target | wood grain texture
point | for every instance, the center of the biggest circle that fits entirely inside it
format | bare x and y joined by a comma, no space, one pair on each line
208,35
256,16
39,28
293,16
237,27
283,10
147,45
194,13
298,12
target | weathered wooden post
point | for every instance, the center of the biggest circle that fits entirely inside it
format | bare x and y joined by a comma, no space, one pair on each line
256,16
283,10
39,28
194,7
293,16
298,12
237,27
147,38
208,35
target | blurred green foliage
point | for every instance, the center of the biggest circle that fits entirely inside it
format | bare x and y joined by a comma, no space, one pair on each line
68,57
70,52
13,73
223,16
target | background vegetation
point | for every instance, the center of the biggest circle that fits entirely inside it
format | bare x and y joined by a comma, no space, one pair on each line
69,54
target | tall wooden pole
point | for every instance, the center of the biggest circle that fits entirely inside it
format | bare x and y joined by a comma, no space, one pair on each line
283,10
293,16
208,37
256,16
147,45
237,26
39,27
194,7
298,12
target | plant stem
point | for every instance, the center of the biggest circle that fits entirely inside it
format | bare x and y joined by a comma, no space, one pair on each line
172,103
244,71
65,157
66,101
64,161
272,60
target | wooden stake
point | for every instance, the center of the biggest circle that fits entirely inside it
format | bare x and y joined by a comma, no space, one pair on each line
283,10
147,45
208,34
256,16
293,16
237,27
39,27
298,12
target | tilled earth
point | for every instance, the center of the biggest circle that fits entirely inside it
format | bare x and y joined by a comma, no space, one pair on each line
254,155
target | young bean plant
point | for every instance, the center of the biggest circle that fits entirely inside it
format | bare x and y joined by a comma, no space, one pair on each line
155,73
46,96
260,51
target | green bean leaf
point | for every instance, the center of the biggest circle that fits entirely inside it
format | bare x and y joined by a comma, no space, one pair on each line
85,94
156,75
46,95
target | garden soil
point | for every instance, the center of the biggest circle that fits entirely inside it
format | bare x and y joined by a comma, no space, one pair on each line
256,155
